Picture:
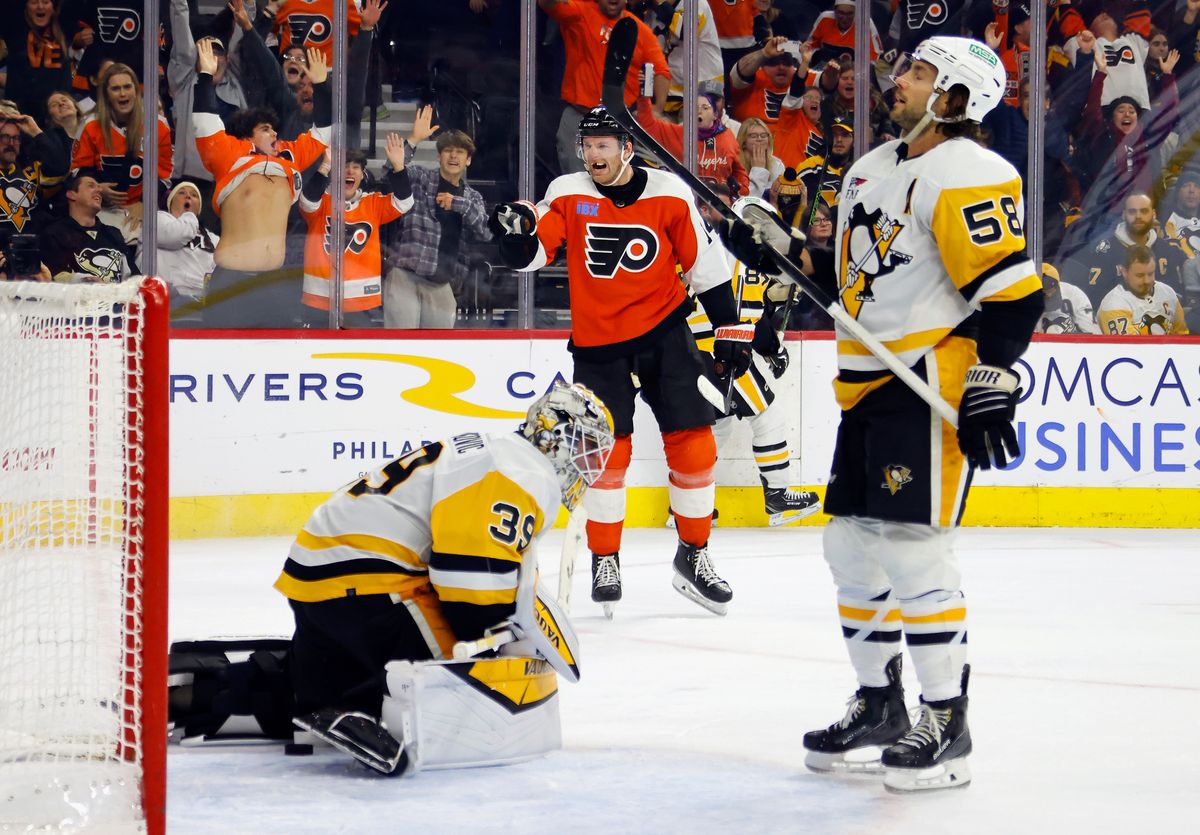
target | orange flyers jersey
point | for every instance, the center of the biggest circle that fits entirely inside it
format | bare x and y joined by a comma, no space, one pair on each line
361,268
735,22
233,160
762,99
797,137
113,166
621,262
585,32
826,34
310,23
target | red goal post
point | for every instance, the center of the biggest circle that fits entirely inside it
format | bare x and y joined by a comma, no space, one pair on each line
83,555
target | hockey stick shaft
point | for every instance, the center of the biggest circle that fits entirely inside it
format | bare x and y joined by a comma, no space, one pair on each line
469,649
572,539
621,43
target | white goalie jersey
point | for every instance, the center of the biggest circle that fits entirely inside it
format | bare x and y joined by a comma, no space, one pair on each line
920,243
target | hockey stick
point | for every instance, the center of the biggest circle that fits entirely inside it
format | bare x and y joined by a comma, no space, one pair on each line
621,44
572,539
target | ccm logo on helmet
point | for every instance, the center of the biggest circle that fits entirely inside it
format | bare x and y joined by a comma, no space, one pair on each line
609,248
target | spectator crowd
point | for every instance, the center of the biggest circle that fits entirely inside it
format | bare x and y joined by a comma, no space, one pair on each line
244,189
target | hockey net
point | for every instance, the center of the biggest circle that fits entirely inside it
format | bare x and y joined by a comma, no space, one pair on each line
83,487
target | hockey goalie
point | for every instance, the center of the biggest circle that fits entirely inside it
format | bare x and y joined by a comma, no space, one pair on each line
421,638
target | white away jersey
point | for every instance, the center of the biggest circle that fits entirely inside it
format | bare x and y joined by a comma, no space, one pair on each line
456,514
1122,313
1076,309
921,242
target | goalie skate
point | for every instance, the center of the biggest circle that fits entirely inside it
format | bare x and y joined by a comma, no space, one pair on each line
358,735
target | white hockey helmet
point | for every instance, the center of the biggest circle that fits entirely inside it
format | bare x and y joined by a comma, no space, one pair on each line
573,428
739,205
963,61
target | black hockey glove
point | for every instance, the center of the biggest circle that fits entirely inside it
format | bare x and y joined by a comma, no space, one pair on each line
514,226
778,362
744,244
731,351
989,404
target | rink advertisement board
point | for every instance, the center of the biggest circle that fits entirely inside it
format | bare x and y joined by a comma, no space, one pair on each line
262,429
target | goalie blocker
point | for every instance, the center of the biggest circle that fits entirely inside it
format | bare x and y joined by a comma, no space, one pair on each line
436,714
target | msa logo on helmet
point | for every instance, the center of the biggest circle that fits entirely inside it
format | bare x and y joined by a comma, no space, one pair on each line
117,24
309,28
610,248
985,54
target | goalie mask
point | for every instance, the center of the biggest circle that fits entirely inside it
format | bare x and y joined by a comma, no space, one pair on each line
573,428
959,62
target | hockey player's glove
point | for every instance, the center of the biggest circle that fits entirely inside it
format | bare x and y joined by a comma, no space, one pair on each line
744,244
989,404
731,350
514,226
778,362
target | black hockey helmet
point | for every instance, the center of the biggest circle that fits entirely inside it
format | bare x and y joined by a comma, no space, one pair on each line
599,122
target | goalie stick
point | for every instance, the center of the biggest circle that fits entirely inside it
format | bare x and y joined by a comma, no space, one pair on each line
572,539
775,231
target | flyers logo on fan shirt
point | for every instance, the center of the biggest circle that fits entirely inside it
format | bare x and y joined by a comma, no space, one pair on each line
610,247
357,235
309,28
1122,54
118,24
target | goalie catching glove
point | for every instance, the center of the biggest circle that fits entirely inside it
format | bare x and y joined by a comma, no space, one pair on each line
514,226
989,404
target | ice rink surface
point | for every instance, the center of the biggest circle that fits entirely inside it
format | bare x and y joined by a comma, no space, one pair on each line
1085,695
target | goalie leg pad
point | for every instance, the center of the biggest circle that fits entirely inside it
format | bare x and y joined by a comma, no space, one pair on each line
230,689
462,714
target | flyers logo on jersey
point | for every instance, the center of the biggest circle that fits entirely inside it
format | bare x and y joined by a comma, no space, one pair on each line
117,24
921,14
357,235
772,104
618,247
1114,55
867,252
309,28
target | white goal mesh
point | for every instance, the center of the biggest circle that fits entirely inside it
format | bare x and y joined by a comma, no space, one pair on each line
77,674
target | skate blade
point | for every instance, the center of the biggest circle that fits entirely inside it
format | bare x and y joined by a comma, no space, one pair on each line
685,588
857,762
952,774
609,608
788,517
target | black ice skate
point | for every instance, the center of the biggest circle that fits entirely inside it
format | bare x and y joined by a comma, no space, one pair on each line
697,580
606,581
875,718
358,735
785,505
933,755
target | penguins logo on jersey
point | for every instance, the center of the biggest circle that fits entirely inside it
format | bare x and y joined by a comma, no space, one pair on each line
105,264
921,14
1154,324
896,476
18,197
357,235
117,24
609,248
868,252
